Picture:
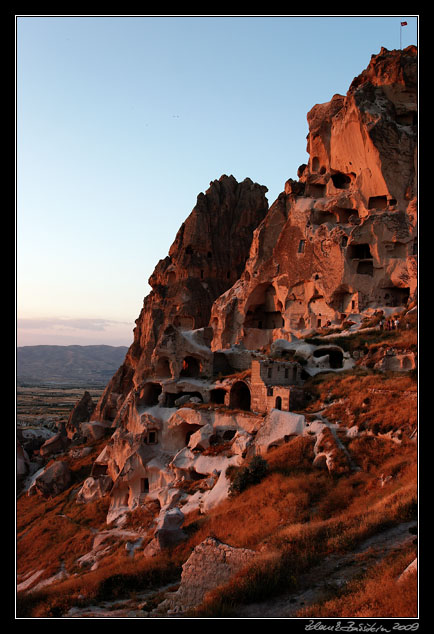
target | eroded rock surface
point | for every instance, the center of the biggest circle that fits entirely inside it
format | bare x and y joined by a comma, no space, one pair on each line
216,370
210,565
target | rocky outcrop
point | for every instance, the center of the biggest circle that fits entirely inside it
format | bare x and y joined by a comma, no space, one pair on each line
211,564
344,239
218,361
54,445
52,480
206,258
81,413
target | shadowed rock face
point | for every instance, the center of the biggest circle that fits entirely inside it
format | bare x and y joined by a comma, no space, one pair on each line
206,258
81,413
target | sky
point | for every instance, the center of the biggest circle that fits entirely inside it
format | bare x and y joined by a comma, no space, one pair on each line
121,121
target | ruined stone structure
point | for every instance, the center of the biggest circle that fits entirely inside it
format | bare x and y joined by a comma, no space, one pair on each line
274,385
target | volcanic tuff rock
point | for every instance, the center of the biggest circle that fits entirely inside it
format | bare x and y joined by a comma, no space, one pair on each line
81,413
206,258
210,565
242,283
343,238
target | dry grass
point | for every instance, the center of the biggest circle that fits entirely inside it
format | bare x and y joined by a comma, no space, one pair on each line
142,518
295,517
375,594
60,528
380,402
296,520
119,578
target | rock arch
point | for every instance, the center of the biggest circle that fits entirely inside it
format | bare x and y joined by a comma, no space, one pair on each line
263,310
162,368
335,354
240,397
148,395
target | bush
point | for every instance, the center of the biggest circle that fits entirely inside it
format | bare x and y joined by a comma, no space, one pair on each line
246,476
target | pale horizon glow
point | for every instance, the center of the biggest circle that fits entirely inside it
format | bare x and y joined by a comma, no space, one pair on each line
122,121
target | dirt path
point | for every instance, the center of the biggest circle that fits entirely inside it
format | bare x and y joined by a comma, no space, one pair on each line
334,571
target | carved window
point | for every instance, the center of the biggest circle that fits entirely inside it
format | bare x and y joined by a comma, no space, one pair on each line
152,437
144,485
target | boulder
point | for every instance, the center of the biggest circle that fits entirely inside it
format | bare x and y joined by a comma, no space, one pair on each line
168,532
200,439
211,564
22,461
92,430
94,488
277,428
56,444
53,480
411,569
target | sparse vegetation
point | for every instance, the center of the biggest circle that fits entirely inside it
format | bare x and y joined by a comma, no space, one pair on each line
380,402
244,477
291,513
376,592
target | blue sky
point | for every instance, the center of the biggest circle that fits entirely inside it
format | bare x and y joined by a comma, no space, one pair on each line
121,121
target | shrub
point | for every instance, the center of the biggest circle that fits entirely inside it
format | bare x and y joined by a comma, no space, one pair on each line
246,476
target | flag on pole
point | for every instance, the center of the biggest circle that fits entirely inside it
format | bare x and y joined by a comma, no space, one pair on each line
403,23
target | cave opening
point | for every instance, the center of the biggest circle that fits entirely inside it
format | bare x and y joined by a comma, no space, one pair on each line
149,394
335,355
191,367
359,251
240,396
264,312
365,268
217,396
340,180
162,368
172,397
377,202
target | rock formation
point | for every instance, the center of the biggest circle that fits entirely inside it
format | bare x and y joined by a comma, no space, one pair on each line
206,258
343,238
210,565
82,412
217,365
54,479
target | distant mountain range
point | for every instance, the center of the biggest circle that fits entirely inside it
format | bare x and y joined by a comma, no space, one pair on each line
68,365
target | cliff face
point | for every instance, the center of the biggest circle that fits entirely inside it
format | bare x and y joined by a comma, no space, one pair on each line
337,242
341,239
206,258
